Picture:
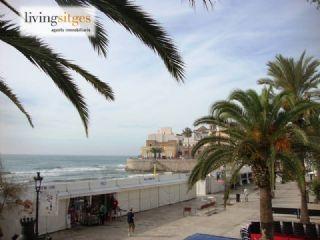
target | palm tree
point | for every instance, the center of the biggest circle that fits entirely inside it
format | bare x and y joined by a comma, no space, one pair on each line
123,12
300,80
313,131
187,132
255,130
156,151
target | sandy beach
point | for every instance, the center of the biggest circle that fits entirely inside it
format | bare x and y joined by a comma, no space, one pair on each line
168,222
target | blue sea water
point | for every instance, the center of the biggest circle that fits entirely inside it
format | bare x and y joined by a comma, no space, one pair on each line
63,167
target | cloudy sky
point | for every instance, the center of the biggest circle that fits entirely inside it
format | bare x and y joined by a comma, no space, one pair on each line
224,49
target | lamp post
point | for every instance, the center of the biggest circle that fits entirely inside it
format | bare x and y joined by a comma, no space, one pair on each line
37,180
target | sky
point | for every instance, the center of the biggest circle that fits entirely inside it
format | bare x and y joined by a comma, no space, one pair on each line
224,49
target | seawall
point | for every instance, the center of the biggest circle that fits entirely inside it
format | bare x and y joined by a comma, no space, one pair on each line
164,165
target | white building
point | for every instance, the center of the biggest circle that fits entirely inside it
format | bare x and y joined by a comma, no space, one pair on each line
163,135
58,200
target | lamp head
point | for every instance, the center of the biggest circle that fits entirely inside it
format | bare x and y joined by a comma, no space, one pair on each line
38,180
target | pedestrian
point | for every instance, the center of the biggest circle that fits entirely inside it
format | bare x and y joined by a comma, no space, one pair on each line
130,219
245,193
102,214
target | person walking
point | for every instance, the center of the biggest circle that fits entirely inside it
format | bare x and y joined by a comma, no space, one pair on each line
130,220
246,194
102,214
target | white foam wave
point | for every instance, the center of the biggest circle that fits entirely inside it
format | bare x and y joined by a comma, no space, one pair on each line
65,170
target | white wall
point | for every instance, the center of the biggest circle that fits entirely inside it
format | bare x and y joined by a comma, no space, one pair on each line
55,223
153,197
146,193
10,223
209,185
123,200
134,200
201,186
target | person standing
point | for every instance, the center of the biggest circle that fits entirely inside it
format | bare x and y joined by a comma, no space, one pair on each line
130,220
102,214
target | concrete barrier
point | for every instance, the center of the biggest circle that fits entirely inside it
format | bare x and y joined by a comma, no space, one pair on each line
169,165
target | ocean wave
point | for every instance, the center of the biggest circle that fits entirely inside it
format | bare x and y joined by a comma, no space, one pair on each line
65,167
120,169
65,170
47,168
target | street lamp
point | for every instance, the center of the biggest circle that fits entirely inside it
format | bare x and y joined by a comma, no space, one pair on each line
37,180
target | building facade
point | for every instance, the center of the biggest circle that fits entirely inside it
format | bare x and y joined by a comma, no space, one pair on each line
165,141
165,144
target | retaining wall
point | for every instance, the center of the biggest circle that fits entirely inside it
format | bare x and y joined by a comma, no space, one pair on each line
167,165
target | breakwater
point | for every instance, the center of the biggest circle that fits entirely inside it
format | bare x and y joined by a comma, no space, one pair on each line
162,165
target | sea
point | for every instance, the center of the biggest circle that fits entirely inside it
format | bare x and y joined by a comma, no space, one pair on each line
22,168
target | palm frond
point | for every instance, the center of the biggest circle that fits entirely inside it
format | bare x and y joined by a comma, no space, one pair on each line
266,81
5,89
299,135
234,174
211,120
4,2
99,41
210,139
139,23
43,57
315,2
206,3
296,76
291,163
100,86
294,113
207,164
226,109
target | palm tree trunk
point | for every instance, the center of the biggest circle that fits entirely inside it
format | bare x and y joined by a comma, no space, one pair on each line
188,149
266,217
318,173
304,215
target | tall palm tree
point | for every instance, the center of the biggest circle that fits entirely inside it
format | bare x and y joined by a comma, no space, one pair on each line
313,131
187,132
123,12
300,79
255,128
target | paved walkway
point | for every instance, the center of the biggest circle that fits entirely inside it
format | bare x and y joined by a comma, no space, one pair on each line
168,222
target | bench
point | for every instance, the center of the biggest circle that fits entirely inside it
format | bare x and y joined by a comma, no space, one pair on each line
314,213
207,205
289,211
211,212
187,209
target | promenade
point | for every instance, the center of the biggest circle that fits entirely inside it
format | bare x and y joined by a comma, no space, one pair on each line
168,222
